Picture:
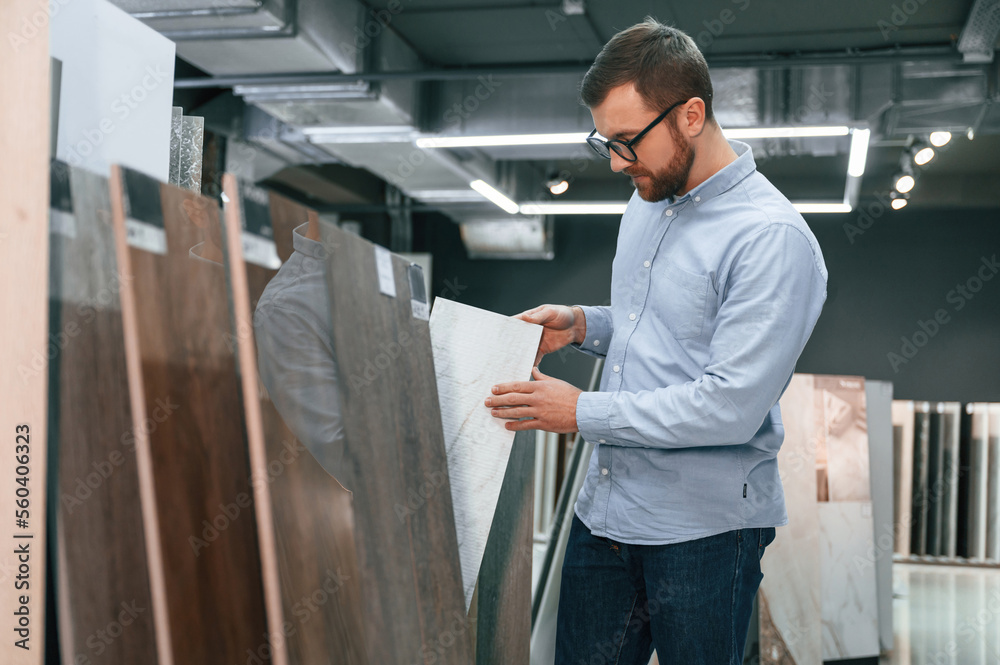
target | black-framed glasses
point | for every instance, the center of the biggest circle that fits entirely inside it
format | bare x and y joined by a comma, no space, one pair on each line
624,148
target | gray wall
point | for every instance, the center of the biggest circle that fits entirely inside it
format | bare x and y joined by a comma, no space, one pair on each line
899,271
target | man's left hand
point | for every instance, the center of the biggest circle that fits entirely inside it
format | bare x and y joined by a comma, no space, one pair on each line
549,402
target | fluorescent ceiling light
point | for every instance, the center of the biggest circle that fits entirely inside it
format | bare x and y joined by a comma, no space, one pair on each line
803,206
784,132
596,208
494,195
859,152
499,140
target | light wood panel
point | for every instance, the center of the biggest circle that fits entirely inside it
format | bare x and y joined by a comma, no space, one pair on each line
24,260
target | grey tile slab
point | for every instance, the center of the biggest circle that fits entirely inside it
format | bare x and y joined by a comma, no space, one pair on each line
902,437
878,407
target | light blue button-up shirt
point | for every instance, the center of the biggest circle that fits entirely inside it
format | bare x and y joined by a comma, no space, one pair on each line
713,297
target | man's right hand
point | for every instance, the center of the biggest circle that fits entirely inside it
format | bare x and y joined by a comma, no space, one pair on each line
562,325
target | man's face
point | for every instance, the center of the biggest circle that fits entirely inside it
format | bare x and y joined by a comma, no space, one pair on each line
664,155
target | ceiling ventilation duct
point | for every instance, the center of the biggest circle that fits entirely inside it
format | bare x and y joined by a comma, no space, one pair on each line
233,37
527,238
979,37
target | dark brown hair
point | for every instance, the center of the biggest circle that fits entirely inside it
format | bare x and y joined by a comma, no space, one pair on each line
663,62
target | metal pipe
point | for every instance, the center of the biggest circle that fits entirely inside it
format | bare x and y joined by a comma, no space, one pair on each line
188,13
748,61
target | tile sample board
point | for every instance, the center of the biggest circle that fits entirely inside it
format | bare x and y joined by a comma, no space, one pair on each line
979,454
789,596
850,604
503,598
204,490
24,341
921,490
474,350
902,482
950,414
413,606
936,489
881,450
846,531
993,491
102,537
313,517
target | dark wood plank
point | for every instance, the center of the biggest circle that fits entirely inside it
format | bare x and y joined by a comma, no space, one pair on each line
313,516
198,438
503,623
101,540
394,463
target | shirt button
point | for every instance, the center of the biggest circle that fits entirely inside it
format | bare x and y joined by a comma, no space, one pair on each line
616,368
631,317
697,199
645,264
597,342
668,213
604,472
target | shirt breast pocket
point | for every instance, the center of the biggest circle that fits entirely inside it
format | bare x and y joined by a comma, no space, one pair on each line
680,300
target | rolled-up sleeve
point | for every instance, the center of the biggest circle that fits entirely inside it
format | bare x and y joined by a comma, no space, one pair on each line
775,291
600,327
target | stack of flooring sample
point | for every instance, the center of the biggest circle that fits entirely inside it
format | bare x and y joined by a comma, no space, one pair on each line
394,458
106,538
204,498
943,475
818,600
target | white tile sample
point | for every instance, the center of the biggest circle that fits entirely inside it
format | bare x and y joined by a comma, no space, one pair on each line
902,436
878,400
978,480
850,603
474,350
789,596
843,438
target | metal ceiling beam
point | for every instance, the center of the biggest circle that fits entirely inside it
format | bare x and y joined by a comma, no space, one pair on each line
754,61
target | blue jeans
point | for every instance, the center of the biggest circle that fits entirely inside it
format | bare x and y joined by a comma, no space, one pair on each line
691,601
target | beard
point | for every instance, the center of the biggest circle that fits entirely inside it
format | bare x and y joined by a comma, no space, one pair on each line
672,179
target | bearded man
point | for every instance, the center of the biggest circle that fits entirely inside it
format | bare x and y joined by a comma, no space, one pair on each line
716,285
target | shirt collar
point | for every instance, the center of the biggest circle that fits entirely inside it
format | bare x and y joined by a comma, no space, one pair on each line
726,177
305,245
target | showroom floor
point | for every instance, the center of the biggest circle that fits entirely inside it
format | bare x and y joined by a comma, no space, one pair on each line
946,615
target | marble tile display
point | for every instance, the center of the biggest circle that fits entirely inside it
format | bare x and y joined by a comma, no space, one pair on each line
848,590
474,350
902,484
921,459
842,439
878,401
978,480
789,595
993,490
191,153
935,481
951,416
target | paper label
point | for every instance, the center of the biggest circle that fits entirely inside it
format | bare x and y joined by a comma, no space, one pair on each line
383,264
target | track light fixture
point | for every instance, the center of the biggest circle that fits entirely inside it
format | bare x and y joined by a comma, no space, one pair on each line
939,139
898,200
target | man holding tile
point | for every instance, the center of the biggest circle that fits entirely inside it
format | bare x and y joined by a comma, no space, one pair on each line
717,283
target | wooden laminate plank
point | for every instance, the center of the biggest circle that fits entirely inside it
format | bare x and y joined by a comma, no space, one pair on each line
394,462
313,519
24,257
198,438
103,570
503,623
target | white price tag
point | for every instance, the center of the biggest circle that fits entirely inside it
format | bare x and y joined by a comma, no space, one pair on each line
383,263
143,235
